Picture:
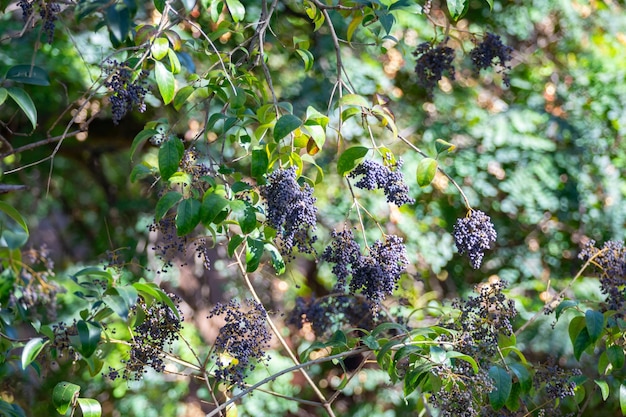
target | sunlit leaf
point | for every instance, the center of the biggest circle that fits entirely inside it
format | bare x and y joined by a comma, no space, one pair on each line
23,100
236,9
32,349
90,407
165,81
350,158
159,48
254,252
64,395
426,170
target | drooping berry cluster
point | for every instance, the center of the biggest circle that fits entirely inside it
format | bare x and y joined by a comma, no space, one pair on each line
473,235
388,178
27,8
462,390
432,63
290,210
48,12
611,259
151,338
127,88
491,51
192,165
554,380
331,313
241,342
376,275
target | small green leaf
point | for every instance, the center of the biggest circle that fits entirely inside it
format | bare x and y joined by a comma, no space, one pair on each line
14,214
182,96
604,388
615,354
622,398
259,164
523,376
595,324
581,343
442,146
234,243
121,300
236,9
159,48
353,100
490,3
564,305
118,21
354,24
3,95
502,387
174,61
307,58
458,355
350,158
245,216
165,203
141,138
426,170
28,74
23,100
277,259
576,325
170,155
90,407
64,395
89,337
212,205
165,81
159,5
285,125
371,342
32,349
254,252
457,8
187,216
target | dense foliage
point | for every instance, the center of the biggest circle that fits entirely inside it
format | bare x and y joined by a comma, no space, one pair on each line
318,207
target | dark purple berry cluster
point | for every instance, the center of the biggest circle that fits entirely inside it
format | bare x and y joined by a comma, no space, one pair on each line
127,88
241,342
192,165
168,245
611,259
151,337
432,62
473,235
290,210
375,276
48,12
491,51
388,178
61,344
462,390
554,380
331,313
27,8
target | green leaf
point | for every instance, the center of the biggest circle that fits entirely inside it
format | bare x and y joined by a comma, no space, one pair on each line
212,205
523,376
159,5
490,3
14,214
442,146
458,355
350,158
182,96
3,95
187,216
118,21
353,100
28,74
234,243
254,252
513,403
139,171
64,395
581,343
141,138
426,170
502,387
564,305
595,324
457,8
259,164
354,24
604,388
236,9
165,203
165,81
32,349
622,398
576,325
159,48
277,259
307,58
23,100
89,337
285,125
170,155
615,354
121,300
174,61
246,218
90,407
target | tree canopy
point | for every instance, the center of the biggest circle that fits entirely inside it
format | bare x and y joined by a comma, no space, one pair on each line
318,207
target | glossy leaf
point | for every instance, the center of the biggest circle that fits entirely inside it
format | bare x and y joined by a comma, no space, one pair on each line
118,21
234,243
426,171
182,96
89,337
159,48
581,343
442,146
28,74
254,252
187,216
353,100
564,305
212,205
166,202
121,300
622,398
277,259
165,81
350,158
259,165
159,5
90,407
3,95
615,355
32,349
502,387
140,138
236,9
285,125
23,100
170,155
14,214
64,396
457,8
604,388
594,321
307,58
